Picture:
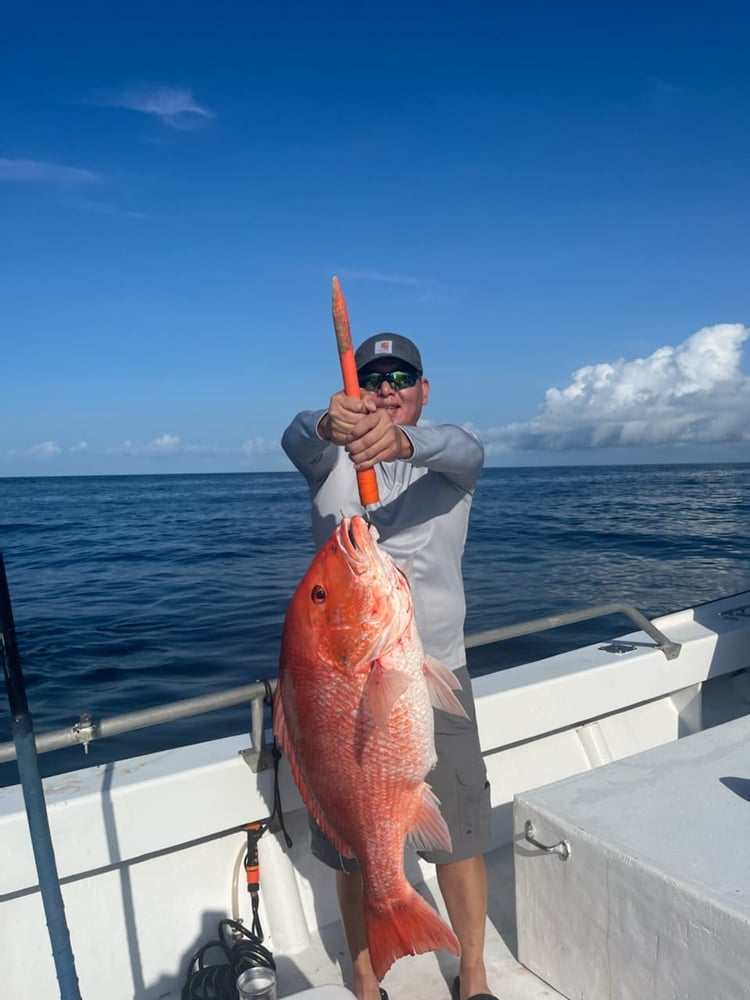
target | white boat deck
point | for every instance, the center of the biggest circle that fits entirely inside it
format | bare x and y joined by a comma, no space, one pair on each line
429,977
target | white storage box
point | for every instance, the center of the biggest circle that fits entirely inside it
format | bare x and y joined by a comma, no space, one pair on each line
654,901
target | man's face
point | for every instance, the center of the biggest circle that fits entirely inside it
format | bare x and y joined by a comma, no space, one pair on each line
403,406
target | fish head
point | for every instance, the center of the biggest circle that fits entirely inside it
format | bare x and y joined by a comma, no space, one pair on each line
353,603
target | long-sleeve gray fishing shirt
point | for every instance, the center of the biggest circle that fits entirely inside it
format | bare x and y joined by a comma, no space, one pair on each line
422,515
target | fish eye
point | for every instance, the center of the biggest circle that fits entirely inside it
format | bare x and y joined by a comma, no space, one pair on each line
318,594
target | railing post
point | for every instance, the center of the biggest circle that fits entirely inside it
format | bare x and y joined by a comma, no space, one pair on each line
36,807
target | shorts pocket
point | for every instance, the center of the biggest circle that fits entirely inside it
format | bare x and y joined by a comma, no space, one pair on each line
473,800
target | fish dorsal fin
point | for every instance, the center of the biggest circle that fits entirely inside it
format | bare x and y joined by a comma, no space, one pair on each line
441,683
429,832
382,691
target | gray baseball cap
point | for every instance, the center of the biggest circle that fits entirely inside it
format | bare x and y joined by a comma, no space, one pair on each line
388,345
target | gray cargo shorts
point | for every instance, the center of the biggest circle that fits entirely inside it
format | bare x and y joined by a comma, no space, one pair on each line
459,779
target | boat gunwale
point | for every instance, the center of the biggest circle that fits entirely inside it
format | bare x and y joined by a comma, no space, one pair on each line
87,729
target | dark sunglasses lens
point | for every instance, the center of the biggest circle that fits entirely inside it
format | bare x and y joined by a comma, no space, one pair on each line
396,380
402,380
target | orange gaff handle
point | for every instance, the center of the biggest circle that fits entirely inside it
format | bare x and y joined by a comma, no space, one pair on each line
367,482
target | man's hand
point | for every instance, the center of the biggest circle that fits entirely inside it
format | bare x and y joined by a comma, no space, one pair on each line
344,413
368,434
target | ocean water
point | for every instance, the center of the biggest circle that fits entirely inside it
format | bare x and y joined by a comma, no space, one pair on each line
134,591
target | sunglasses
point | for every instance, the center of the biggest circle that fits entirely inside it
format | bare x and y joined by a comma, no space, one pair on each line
396,380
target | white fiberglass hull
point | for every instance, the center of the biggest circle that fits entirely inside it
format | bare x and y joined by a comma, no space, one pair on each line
149,850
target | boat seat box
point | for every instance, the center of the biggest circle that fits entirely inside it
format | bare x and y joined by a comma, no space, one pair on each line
653,902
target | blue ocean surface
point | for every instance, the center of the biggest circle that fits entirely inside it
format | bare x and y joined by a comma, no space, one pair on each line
135,591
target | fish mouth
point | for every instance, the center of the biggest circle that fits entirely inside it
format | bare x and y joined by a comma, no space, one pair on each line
357,543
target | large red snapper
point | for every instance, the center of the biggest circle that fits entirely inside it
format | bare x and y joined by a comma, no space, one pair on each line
353,712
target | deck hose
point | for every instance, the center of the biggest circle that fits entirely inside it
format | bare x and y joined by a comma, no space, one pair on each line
241,950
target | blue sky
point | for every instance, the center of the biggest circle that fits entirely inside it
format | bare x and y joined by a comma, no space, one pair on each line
553,202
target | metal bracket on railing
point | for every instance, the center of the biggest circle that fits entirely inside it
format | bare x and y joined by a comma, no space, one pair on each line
84,731
257,757
618,647
562,847
257,760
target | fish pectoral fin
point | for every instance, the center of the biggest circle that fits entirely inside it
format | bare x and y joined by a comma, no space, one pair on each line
382,691
437,668
441,683
429,832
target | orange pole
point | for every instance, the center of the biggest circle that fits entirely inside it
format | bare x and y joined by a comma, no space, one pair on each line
366,481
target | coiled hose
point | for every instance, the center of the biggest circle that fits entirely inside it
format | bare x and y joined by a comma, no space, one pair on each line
241,950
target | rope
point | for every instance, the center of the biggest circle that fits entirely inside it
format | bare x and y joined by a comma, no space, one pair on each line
276,754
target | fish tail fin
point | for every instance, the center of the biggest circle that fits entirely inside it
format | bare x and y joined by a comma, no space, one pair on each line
406,926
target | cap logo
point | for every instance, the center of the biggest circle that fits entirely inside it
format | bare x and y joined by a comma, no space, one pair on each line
384,347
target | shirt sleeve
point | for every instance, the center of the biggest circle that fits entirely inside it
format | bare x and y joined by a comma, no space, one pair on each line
306,449
450,450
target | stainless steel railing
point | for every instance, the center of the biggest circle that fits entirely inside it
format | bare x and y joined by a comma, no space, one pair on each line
670,649
87,729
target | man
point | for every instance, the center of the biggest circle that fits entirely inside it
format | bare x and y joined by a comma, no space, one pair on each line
426,478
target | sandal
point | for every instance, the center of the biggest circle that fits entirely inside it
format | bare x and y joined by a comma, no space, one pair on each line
456,992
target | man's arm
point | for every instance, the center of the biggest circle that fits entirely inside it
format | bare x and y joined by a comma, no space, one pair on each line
455,453
370,437
305,448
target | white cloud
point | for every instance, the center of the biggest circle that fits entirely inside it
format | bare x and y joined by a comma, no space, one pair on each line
81,446
426,289
389,278
694,393
167,444
45,449
170,445
103,208
258,446
173,106
39,170
164,446
70,178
